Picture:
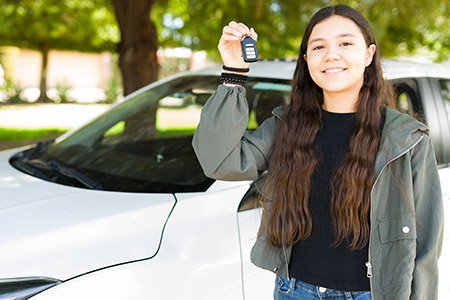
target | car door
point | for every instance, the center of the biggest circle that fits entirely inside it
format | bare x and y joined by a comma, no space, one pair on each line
257,283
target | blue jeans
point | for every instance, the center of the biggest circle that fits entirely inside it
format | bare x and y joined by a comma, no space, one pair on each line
299,290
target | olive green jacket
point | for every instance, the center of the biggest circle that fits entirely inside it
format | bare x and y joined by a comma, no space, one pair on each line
406,203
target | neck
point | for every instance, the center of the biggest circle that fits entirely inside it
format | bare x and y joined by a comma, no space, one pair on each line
340,102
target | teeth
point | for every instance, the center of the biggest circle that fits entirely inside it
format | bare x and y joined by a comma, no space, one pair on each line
334,70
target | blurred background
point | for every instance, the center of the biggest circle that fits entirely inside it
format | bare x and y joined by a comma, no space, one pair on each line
62,62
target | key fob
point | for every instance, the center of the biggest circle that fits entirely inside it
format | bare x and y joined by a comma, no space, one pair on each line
249,50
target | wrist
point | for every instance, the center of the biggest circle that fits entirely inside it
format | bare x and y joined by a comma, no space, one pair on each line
237,73
235,69
233,78
235,63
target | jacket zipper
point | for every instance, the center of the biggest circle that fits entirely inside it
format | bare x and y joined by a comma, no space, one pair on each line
369,269
369,264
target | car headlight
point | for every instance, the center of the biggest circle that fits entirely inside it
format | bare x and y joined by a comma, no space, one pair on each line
24,288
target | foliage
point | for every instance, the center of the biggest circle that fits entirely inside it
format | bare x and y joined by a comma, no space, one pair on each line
113,90
57,24
113,86
11,92
173,65
401,27
62,92
405,28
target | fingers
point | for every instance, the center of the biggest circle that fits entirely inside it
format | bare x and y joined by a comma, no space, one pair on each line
226,36
229,44
236,31
241,27
253,34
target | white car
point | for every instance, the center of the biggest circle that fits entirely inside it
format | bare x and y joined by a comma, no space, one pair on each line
120,208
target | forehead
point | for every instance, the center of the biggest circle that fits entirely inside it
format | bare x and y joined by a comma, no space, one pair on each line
335,26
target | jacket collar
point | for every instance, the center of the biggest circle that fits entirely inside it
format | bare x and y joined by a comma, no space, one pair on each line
278,112
400,133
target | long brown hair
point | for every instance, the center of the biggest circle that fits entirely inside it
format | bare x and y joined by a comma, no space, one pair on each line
294,158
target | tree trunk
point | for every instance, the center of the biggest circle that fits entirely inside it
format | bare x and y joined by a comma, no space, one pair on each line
138,45
43,98
137,59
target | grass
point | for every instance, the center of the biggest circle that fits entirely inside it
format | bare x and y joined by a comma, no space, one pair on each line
162,131
16,134
22,134
168,132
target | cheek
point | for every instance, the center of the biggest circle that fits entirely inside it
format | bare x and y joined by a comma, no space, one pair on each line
315,74
361,67
360,58
314,68
358,61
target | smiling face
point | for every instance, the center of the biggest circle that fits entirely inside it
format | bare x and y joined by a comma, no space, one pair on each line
337,55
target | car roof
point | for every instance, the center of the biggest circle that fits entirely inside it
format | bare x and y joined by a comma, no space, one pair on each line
392,69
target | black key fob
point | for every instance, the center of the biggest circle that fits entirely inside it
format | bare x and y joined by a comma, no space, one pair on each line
249,51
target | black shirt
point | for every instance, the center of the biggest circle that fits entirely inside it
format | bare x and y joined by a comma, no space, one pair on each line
315,260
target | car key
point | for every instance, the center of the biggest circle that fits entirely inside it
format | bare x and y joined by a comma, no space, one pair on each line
249,50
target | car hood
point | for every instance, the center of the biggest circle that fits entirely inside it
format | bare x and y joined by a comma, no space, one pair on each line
51,230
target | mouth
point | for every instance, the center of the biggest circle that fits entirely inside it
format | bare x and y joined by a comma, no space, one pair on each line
333,70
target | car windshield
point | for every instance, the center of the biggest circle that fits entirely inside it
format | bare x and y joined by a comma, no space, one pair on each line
144,143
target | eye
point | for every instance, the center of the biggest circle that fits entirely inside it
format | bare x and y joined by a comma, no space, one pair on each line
318,47
345,44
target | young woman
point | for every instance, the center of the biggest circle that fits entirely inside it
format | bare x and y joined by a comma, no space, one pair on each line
352,202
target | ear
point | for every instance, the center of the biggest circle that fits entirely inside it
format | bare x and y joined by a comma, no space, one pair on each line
304,57
370,53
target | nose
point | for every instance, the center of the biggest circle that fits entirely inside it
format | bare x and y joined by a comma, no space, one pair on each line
332,54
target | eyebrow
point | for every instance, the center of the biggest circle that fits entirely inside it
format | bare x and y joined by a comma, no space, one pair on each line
340,35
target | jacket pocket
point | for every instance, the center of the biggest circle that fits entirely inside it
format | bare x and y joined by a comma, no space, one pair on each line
398,249
397,228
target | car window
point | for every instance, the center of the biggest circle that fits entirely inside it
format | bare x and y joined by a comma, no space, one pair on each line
404,102
263,97
408,99
144,143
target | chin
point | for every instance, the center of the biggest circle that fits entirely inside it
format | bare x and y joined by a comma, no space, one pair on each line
334,89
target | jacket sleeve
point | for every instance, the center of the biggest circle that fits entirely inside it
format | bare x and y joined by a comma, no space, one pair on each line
430,221
223,147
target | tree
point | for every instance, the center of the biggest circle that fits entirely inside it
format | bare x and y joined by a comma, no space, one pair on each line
137,55
401,27
404,28
138,43
56,24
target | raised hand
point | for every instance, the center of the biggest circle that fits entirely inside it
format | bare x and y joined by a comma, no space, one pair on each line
230,44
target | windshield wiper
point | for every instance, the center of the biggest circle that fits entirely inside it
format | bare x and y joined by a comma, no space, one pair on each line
54,165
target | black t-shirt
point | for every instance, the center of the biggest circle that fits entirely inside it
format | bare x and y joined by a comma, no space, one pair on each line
315,260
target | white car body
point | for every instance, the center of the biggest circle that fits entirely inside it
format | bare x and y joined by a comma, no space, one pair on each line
118,245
